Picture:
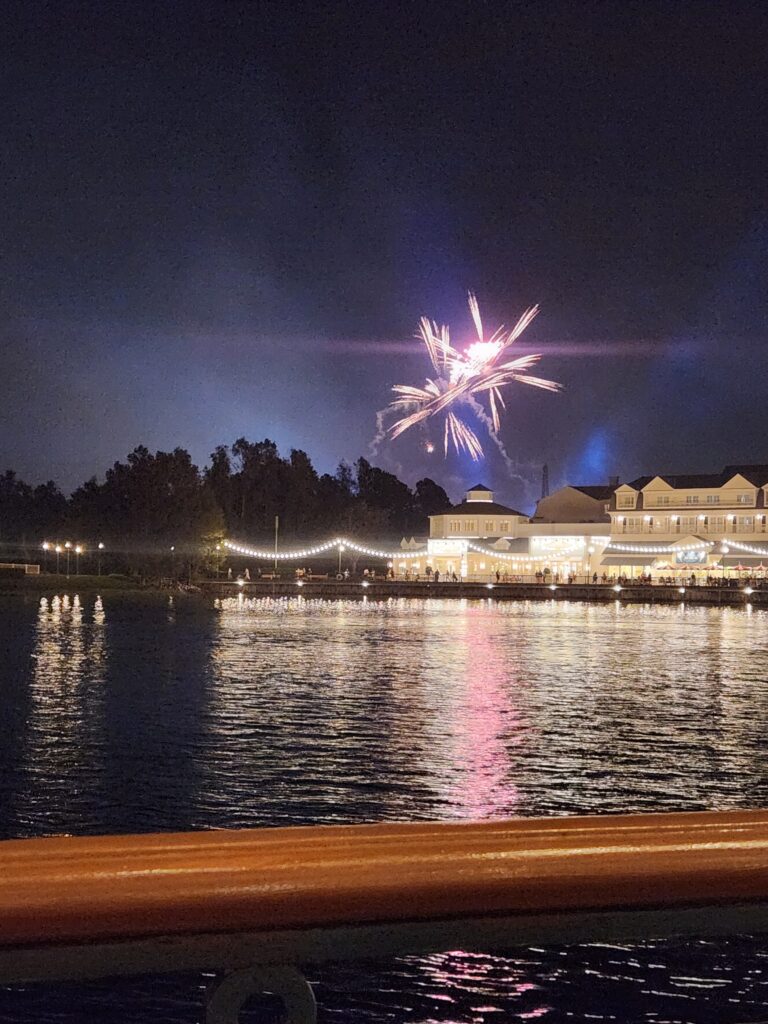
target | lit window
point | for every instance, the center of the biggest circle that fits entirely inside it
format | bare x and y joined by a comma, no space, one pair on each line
743,499
713,499
692,499
662,499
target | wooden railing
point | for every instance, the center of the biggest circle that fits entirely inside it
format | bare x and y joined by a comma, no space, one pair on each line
256,904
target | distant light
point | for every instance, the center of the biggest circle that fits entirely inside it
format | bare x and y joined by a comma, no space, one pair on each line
617,588
58,549
725,549
46,545
241,583
681,590
67,544
173,547
489,586
552,586
78,550
101,546
299,583
748,590
364,583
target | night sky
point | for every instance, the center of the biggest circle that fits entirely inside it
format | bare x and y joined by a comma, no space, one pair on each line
225,219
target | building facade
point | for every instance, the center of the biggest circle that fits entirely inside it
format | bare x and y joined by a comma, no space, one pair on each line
655,525
479,538
575,504
710,522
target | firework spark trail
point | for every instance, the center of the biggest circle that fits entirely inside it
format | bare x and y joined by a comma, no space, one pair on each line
381,432
459,378
512,468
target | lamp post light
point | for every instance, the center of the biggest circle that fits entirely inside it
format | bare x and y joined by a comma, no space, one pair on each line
46,548
68,547
78,552
341,548
58,553
100,548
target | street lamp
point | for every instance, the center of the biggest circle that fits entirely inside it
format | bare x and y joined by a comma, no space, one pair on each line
100,549
78,552
68,547
58,552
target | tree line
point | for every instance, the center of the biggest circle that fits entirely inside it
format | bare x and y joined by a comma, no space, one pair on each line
154,511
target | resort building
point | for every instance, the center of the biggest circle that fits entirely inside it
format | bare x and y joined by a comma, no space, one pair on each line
479,537
709,523
574,504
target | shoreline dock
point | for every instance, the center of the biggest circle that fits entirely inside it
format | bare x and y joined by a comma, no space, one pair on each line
599,593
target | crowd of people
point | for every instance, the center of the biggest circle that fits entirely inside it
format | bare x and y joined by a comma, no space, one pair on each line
541,576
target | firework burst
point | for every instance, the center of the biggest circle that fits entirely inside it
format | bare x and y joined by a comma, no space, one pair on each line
483,369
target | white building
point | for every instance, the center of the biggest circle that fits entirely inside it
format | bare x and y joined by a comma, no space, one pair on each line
576,504
710,522
479,537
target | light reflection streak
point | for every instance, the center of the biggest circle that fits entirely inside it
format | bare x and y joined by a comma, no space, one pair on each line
65,706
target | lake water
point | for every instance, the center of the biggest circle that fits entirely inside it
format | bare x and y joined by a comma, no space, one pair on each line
130,714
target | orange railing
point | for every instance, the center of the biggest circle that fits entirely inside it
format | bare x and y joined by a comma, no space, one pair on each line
126,894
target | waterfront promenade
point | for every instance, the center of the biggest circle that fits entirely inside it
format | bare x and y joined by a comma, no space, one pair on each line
740,596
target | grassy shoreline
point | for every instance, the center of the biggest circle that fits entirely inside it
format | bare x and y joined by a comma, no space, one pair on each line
61,583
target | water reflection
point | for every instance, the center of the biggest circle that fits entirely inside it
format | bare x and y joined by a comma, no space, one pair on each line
64,717
156,689
156,713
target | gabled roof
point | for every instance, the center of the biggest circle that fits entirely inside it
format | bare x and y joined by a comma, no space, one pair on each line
640,482
515,545
601,492
479,487
693,480
756,474
483,508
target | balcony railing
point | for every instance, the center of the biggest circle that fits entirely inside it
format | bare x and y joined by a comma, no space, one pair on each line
255,906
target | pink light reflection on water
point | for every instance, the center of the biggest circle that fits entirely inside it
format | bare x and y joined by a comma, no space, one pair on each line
460,974
486,725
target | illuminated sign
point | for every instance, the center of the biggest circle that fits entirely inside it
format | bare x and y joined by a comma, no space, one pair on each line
446,547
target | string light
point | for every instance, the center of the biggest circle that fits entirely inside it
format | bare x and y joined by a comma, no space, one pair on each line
746,547
338,543
657,549
545,556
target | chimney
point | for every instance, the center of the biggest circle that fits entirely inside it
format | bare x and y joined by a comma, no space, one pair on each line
545,481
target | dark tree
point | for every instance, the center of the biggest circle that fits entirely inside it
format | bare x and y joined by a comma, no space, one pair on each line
431,499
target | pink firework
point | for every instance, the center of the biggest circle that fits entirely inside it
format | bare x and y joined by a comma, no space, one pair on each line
483,369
